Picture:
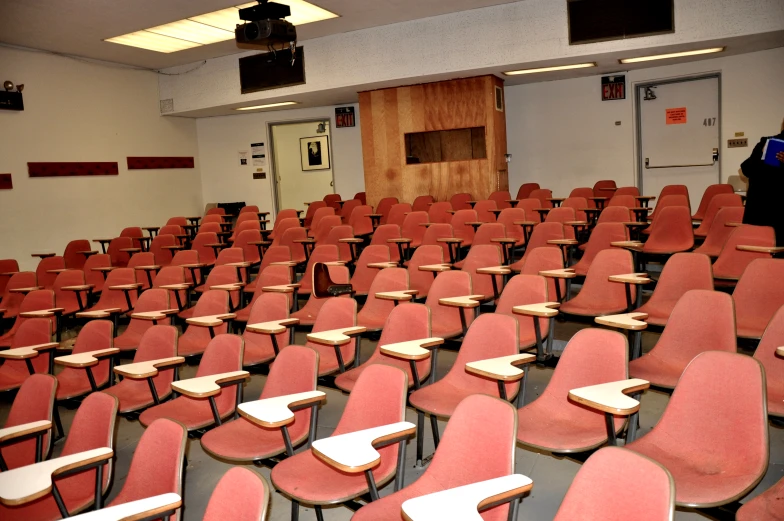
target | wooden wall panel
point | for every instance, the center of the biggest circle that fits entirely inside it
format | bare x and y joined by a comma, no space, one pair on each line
388,114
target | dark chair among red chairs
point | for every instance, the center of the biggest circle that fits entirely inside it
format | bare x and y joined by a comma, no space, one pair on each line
311,212
7,268
44,272
758,295
405,322
720,464
33,403
12,299
385,206
555,423
269,330
36,301
244,440
157,466
220,364
682,272
490,336
378,400
524,192
321,253
766,354
701,321
363,274
210,318
598,295
602,237
707,197
335,313
480,425
73,256
14,370
460,201
310,311
240,495
422,203
732,262
93,427
375,310
718,202
152,308
598,492
441,212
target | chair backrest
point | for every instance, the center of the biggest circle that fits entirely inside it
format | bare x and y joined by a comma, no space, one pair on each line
581,191
286,213
542,233
36,300
318,215
422,203
46,279
215,211
542,194
311,211
449,284
324,225
154,299
614,214
673,199
487,232
562,215
363,275
288,239
599,290
336,313
115,298
483,256
222,355
32,332
407,321
267,307
389,279
397,214
440,212
249,251
579,204
224,275
360,221
7,267
461,229
274,254
671,231
171,229
169,275
501,199
201,244
520,290
711,192
604,188
321,253
93,427
437,231
141,258
602,236
157,464
115,249
211,219
240,495
423,256
252,208
163,256
332,201
758,295
348,207
732,262
211,302
482,209
96,278
135,233
74,259
385,206
508,217
623,200
771,340
33,402
529,206
628,190
295,371
524,192
411,227
595,494
67,299
361,197
343,231
384,233
719,232
186,257
251,224
682,272
12,301
716,203
312,308
542,259
177,221
229,256
460,201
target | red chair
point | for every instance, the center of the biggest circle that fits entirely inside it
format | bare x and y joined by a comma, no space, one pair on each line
542,233
614,214
600,296
397,214
460,201
134,392
437,231
157,466
203,245
671,232
578,204
163,247
595,494
717,202
94,273
318,215
215,211
719,232
324,226
43,271
137,262
583,191
155,299
508,217
74,380
480,425
241,495
8,267
120,291
11,299
385,206
364,275
348,207
381,238
271,276
546,258
758,295
289,239
682,272
524,192
732,262
670,199
335,313
288,213
441,212
717,465
93,427
273,254
563,215
604,188
490,336
701,321
553,422
335,236
213,309
223,356
172,229
486,233
216,218
529,206
311,212
263,347
223,276
73,256
501,198
519,291
447,321
243,441
420,281
623,200
177,221
461,227
543,195
422,203
412,227
120,250
311,310
403,323
378,399
173,280
767,505
38,300
484,256
627,190
34,402
250,224
375,311
135,233
246,242
707,197
602,236
482,209
34,332
251,208
773,338
360,221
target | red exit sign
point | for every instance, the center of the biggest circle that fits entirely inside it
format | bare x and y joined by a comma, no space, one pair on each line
613,88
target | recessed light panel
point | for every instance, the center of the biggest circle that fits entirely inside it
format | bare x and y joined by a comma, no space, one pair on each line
672,55
268,105
551,69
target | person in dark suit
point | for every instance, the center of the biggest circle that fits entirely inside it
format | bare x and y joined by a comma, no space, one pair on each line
766,189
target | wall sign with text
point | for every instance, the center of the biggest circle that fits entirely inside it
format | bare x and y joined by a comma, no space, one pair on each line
613,87
344,117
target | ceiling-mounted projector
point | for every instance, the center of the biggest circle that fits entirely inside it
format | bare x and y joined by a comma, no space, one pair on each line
266,27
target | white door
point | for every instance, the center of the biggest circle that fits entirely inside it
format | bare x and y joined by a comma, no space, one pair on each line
298,178
679,132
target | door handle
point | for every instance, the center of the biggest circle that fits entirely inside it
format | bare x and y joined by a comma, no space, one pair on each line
715,157
332,183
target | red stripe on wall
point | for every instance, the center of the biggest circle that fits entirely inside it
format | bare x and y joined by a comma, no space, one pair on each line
5,182
71,169
153,163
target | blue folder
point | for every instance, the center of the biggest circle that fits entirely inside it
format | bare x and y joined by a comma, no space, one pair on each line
772,147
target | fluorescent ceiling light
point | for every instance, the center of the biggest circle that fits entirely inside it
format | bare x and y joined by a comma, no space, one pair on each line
217,26
153,42
193,32
268,105
672,55
550,69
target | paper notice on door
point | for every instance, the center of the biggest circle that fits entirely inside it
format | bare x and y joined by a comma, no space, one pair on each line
676,116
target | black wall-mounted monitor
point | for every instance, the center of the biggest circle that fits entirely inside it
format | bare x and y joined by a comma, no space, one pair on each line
601,20
271,70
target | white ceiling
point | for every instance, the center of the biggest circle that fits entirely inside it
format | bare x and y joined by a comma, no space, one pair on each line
79,26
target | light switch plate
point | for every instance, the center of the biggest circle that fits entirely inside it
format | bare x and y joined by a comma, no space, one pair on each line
737,143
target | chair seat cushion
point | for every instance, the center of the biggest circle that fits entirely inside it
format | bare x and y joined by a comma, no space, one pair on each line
768,506
751,326
257,352
541,426
305,317
440,398
73,382
194,414
190,345
660,372
135,394
241,440
589,308
10,377
128,340
347,380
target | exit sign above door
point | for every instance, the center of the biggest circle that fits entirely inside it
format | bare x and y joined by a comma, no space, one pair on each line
613,87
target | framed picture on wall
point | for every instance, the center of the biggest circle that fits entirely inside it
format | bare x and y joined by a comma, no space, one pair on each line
314,152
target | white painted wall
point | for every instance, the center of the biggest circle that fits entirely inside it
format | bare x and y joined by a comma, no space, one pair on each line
562,135
297,186
75,111
220,138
